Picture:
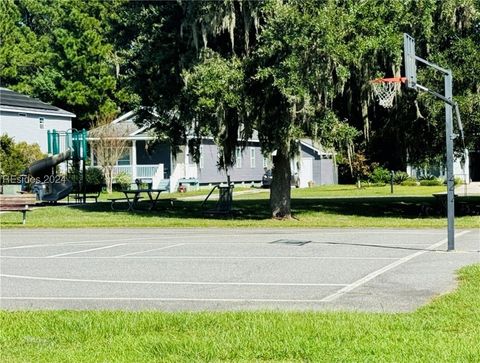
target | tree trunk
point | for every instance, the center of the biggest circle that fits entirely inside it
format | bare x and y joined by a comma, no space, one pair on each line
281,187
109,179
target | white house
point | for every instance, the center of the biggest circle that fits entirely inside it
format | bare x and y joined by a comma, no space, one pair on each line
156,161
27,119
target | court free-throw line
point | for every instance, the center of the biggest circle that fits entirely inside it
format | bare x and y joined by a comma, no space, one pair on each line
377,273
167,282
153,249
89,250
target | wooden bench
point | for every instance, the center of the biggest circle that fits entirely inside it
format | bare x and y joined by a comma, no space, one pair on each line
17,203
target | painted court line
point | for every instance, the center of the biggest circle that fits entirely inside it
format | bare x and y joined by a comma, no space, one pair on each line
208,257
76,242
165,299
381,271
89,250
154,249
168,282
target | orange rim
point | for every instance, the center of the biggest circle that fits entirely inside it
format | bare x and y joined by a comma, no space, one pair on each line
390,80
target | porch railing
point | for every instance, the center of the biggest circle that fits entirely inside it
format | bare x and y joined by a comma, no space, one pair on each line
142,171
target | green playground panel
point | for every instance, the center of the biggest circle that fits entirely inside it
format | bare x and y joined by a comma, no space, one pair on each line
73,139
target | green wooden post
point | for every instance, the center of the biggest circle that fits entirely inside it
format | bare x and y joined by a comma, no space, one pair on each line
55,141
49,141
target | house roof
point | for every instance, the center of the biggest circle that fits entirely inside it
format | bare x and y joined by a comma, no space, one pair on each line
315,146
16,102
127,120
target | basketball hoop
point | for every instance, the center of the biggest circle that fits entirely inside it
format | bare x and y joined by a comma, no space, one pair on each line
386,88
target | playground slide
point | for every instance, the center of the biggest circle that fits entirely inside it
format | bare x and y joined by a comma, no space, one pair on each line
43,167
48,188
56,191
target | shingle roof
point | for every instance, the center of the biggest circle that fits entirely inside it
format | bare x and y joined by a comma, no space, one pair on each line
10,100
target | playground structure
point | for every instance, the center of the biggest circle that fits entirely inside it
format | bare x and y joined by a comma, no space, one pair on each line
63,146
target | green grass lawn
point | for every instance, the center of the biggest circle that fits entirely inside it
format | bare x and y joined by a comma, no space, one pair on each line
332,206
446,330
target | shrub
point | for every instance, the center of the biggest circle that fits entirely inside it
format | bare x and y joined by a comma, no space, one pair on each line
431,182
380,175
459,181
94,176
427,177
400,177
16,157
409,182
124,180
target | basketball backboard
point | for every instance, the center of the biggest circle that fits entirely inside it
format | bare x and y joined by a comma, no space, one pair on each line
410,61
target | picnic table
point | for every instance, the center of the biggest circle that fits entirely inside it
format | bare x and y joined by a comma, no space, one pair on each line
132,197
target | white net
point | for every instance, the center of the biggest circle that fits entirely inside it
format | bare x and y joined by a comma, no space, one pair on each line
386,91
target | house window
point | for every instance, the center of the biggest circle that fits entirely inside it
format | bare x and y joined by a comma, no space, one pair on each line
201,162
238,157
41,123
252,157
265,162
124,159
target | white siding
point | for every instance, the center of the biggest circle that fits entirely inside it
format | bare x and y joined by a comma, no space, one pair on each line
26,127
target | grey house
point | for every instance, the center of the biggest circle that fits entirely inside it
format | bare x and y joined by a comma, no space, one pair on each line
27,119
146,159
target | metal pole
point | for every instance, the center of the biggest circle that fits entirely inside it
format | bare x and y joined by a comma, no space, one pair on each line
450,178
392,175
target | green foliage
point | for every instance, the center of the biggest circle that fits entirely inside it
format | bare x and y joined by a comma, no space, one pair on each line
124,180
427,177
61,52
213,90
409,182
380,175
16,157
400,177
94,176
458,181
431,182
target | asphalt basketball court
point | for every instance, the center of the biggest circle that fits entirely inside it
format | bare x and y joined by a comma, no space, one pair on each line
230,269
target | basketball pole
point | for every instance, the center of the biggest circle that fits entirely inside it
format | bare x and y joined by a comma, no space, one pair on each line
449,137
411,75
450,178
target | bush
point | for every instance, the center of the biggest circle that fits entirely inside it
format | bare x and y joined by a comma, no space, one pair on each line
16,157
400,177
94,176
380,175
431,182
409,182
459,181
428,177
124,180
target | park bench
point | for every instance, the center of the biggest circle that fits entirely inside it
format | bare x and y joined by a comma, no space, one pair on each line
17,203
93,196
92,192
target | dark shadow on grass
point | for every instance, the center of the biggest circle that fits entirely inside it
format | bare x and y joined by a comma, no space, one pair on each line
258,209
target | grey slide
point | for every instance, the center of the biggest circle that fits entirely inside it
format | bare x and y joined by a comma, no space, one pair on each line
50,192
